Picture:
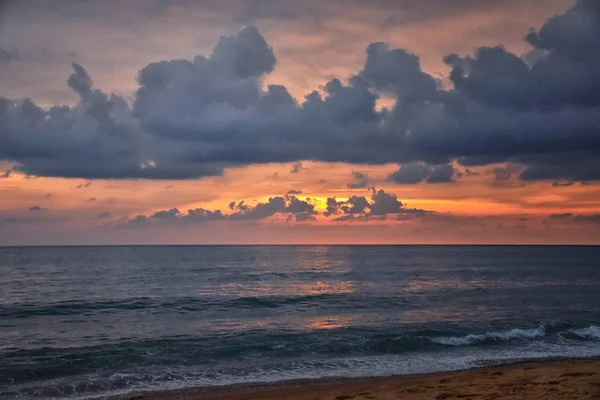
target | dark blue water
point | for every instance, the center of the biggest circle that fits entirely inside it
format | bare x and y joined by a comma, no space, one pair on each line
87,322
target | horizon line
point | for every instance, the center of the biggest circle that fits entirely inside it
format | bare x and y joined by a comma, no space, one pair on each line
313,245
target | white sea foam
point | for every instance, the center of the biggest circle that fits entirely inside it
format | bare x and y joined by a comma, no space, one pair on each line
497,336
351,367
591,332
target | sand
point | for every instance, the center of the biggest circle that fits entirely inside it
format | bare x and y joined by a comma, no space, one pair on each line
549,380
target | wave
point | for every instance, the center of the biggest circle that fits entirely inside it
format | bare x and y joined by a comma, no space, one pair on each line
470,339
591,332
103,383
258,344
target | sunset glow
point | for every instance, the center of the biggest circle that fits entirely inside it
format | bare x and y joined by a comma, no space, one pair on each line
337,128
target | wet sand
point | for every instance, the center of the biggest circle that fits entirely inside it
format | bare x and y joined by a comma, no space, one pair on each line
548,380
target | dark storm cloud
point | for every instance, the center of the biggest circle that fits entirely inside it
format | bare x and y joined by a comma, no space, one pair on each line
442,174
410,173
413,173
194,118
399,73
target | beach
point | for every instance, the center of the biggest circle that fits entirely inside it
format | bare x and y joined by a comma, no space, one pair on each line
562,379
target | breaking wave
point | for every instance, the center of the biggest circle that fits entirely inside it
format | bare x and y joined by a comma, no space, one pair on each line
591,332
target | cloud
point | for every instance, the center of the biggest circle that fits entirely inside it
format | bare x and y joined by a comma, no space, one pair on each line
353,217
294,192
410,213
194,118
561,216
296,168
139,220
245,55
442,174
410,173
200,215
469,172
504,173
289,204
166,214
332,207
562,184
104,215
304,216
356,208
385,203
174,217
355,205
381,203
413,173
361,180
397,72
83,185
6,174
35,208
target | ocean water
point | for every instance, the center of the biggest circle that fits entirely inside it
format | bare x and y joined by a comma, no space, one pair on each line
90,322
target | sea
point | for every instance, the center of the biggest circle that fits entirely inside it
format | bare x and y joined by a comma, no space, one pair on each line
93,322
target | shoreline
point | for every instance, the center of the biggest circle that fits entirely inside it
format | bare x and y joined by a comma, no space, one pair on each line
553,378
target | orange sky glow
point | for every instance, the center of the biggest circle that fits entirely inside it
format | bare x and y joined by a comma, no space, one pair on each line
479,204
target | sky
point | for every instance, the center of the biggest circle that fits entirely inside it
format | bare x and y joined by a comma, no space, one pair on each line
300,122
